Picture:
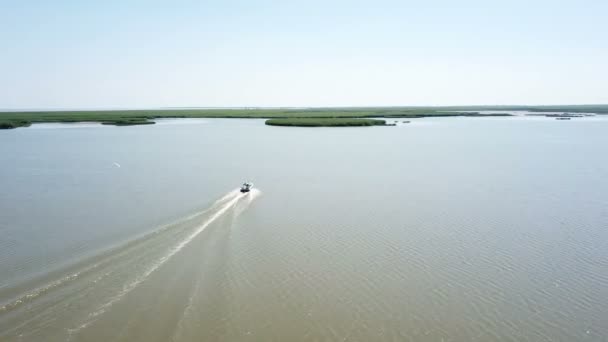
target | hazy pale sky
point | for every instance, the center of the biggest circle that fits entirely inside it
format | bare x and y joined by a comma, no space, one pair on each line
121,53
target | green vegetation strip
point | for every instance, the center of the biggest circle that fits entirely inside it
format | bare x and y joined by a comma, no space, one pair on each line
321,122
139,117
128,122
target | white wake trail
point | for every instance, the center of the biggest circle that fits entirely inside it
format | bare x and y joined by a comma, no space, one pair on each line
92,317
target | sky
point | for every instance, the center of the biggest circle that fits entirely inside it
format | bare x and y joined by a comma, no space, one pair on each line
146,54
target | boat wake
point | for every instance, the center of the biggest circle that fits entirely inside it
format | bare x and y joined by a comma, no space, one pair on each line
225,202
109,278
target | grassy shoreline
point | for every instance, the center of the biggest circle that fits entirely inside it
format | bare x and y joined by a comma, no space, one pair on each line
324,122
10,120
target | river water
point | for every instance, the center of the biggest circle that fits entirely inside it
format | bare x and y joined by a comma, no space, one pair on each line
443,229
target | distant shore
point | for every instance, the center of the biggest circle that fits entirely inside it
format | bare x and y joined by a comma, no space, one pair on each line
325,122
10,120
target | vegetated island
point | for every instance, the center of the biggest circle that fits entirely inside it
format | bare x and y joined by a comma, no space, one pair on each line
144,117
128,122
323,122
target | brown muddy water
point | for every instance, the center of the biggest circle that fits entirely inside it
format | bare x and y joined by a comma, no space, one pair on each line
447,229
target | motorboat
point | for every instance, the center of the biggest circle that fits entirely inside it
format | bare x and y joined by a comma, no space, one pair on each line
246,187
